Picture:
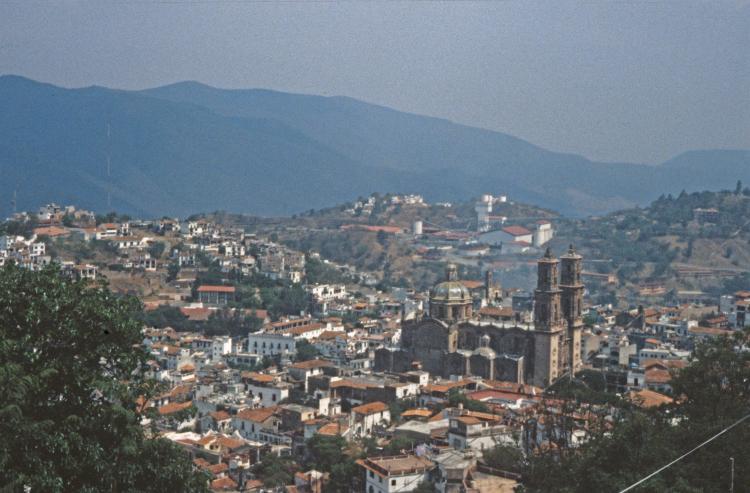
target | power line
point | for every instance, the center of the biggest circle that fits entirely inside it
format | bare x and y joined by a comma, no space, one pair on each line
640,481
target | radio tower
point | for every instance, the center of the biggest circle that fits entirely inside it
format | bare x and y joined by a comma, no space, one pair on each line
14,202
109,170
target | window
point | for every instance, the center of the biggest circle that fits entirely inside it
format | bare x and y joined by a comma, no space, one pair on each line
372,475
393,482
273,397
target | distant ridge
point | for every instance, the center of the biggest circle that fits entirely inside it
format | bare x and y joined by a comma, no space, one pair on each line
188,147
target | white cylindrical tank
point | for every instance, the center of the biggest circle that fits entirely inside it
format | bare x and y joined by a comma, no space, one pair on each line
417,227
486,198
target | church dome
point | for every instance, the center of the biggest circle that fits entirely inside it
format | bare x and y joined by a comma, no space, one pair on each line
450,300
450,291
487,352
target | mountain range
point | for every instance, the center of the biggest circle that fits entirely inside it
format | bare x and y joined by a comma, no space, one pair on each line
187,148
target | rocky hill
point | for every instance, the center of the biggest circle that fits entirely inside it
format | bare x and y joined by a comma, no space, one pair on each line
694,241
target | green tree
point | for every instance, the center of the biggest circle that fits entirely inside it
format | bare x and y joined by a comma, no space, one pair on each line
68,221
167,316
68,418
456,397
305,351
714,393
287,300
276,471
231,322
173,269
397,444
424,487
328,455
504,457
318,272
156,249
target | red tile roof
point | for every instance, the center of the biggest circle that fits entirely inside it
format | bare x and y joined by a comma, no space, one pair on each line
649,398
174,407
220,415
216,289
496,311
51,231
332,429
418,413
516,230
310,364
223,484
257,415
471,284
373,229
371,408
199,314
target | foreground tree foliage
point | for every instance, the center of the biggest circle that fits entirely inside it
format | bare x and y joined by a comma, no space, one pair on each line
328,454
713,392
276,471
69,355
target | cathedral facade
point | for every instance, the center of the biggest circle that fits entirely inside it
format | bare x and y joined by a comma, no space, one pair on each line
451,341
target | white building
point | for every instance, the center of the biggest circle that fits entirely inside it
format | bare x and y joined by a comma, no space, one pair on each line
220,346
268,344
469,432
9,242
543,233
507,235
483,208
268,395
367,416
737,309
260,425
396,474
327,292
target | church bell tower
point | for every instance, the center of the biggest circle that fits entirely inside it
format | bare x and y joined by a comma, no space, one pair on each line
547,296
549,333
572,303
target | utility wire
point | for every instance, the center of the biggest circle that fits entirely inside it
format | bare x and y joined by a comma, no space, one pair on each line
640,481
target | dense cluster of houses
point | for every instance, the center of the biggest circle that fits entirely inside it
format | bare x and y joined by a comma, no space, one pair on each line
228,401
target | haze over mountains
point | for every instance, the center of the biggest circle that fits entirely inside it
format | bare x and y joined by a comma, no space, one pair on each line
188,148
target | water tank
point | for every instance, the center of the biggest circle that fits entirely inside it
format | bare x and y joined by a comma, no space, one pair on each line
417,227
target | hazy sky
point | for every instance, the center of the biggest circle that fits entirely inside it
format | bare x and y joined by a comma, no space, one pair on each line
618,81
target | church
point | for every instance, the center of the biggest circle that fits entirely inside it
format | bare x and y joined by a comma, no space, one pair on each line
451,341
